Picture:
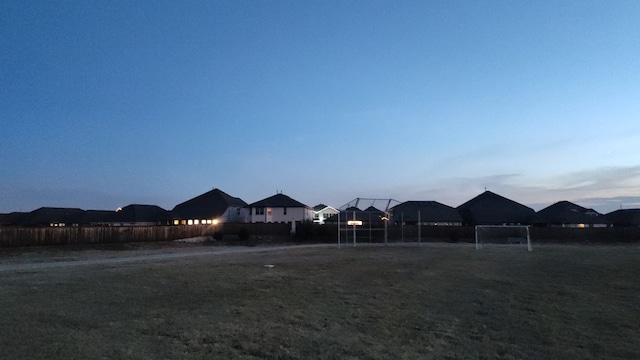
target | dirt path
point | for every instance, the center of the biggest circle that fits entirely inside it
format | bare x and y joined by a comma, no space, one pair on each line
180,253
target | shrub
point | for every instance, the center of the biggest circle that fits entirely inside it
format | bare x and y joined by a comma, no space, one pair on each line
453,236
218,235
305,230
243,234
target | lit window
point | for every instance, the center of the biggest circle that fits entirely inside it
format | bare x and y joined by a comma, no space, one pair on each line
196,222
189,222
183,222
176,222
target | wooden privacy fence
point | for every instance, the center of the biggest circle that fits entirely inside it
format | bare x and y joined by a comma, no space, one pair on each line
44,236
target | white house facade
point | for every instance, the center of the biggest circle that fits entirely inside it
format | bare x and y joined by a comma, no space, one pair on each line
279,209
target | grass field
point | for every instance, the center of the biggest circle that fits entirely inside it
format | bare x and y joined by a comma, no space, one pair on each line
433,302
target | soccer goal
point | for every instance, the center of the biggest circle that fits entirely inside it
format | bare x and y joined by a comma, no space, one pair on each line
502,235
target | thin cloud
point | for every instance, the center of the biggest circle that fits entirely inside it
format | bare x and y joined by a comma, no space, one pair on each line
605,188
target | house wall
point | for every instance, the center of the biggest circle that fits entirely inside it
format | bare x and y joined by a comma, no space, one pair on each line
233,214
236,214
277,214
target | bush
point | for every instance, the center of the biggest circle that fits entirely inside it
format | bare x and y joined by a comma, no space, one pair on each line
244,234
218,235
305,230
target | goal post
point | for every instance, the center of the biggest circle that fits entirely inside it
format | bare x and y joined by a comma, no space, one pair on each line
503,235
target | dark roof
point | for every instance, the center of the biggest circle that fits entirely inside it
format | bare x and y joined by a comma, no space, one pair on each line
491,209
565,212
372,209
99,216
319,207
624,217
48,215
141,213
430,211
278,200
209,205
13,218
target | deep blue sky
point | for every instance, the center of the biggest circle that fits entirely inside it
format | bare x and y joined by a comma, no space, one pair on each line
108,103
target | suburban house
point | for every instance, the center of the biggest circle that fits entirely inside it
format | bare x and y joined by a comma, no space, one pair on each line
12,219
139,215
279,208
568,214
211,207
426,213
489,208
321,212
624,217
99,217
51,216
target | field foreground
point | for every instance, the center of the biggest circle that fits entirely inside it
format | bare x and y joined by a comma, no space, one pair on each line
432,302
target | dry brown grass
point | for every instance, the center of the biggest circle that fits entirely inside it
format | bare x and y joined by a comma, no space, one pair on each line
433,302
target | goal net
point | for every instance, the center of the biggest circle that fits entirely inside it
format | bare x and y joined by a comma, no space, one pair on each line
502,235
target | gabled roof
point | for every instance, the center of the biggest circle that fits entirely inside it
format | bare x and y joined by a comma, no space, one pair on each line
320,207
565,212
372,209
141,213
430,211
278,200
209,205
624,217
489,208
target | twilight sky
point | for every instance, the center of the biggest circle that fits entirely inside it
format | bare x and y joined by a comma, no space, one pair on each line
109,103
